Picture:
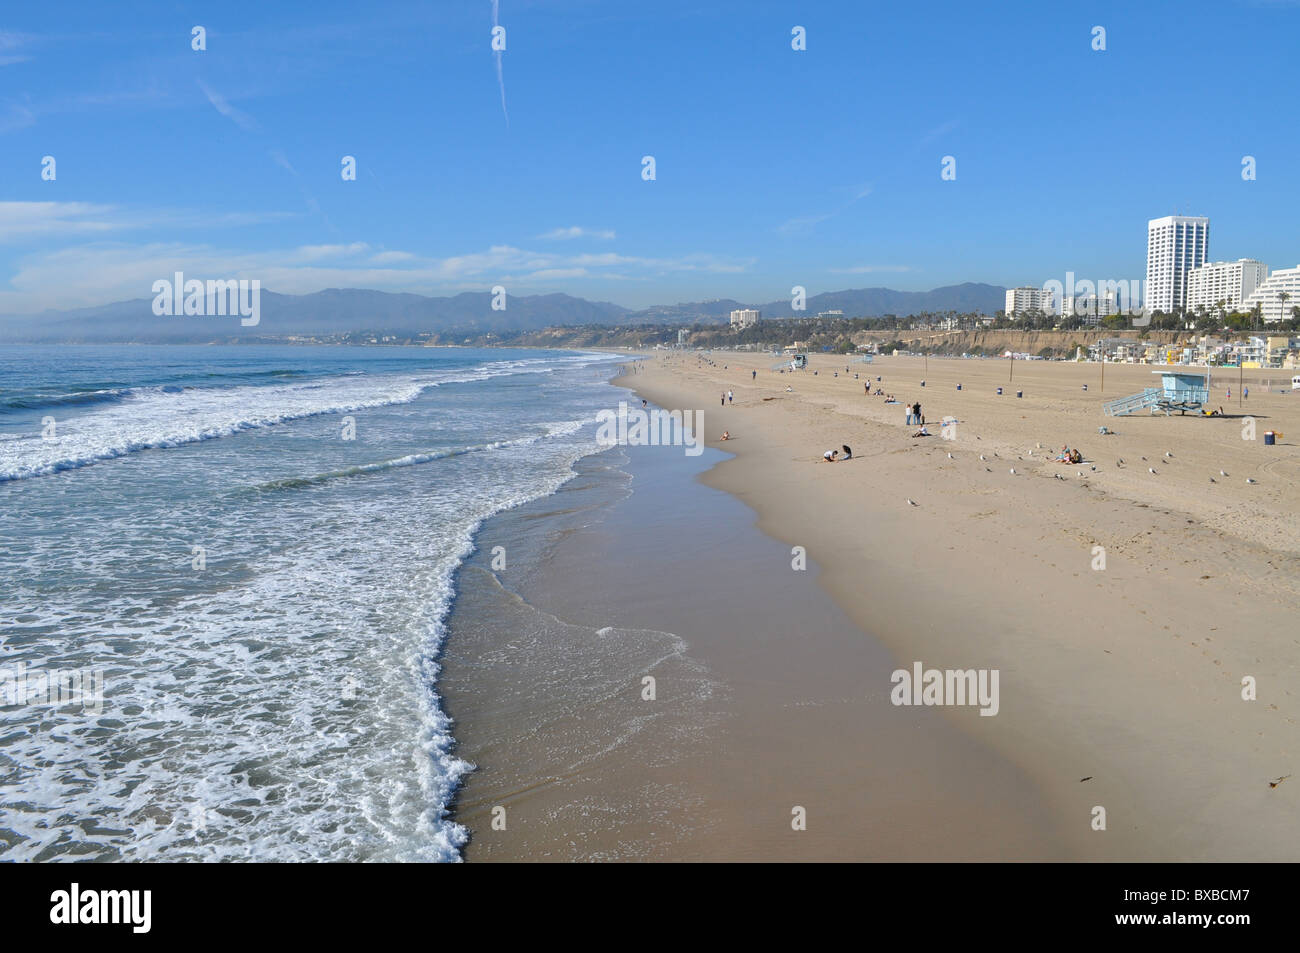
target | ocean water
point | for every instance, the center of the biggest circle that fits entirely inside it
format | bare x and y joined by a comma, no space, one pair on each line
253,550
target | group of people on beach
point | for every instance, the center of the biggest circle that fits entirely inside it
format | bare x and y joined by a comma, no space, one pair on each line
1069,455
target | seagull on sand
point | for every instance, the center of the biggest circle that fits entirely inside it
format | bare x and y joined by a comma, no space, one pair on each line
1013,471
912,502
950,456
1249,480
1151,469
982,457
1221,473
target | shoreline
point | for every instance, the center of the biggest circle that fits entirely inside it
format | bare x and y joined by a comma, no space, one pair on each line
1120,688
766,695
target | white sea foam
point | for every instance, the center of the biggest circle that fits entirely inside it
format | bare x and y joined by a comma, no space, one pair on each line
154,419
281,704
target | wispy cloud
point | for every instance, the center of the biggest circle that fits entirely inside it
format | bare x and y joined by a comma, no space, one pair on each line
240,118
805,223
10,44
325,252
102,271
280,159
575,231
249,124
391,257
26,220
940,130
16,116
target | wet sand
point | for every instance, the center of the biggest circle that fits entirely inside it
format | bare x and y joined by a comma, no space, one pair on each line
1122,684
768,696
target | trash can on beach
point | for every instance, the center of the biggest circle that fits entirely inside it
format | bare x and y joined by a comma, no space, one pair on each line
959,387
1270,438
999,391
1020,393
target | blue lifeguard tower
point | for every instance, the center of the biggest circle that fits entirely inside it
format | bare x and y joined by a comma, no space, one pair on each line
1179,390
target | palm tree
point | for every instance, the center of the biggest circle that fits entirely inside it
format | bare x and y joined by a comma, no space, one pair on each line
1282,297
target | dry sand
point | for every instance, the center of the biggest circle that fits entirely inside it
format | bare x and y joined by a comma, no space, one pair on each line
1120,688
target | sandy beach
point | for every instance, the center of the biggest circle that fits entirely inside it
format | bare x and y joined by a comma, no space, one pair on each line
767,696
1121,681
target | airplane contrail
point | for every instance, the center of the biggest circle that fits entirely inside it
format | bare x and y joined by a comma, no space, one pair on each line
501,80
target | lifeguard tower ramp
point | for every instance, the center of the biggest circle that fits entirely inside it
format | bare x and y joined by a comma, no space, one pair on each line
1180,390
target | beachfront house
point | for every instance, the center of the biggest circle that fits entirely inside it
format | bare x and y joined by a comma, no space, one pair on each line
1116,350
1277,347
1253,352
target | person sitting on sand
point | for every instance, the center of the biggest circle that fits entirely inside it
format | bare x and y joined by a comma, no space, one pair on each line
1076,456
922,433
830,455
726,435
848,453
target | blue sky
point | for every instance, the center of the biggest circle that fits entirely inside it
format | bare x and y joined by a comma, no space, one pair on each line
774,167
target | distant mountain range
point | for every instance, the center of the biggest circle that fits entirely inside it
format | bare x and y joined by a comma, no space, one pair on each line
351,310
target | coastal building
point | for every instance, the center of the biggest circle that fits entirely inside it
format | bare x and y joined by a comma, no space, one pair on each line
1090,308
1114,349
1175,245
1278,347
1231,282
745,317
1277,295
1028,299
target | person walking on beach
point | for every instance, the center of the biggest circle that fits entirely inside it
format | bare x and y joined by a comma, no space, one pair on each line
916,409
753,375
723,400
730,396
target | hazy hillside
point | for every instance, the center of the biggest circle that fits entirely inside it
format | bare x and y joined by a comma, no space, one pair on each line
325,312
338,311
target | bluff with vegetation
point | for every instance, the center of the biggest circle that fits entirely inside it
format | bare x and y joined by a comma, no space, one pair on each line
816,334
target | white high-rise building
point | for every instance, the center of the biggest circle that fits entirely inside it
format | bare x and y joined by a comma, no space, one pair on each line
1027,299
744,317
1090,308
1175,245
1231,282
1284,281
